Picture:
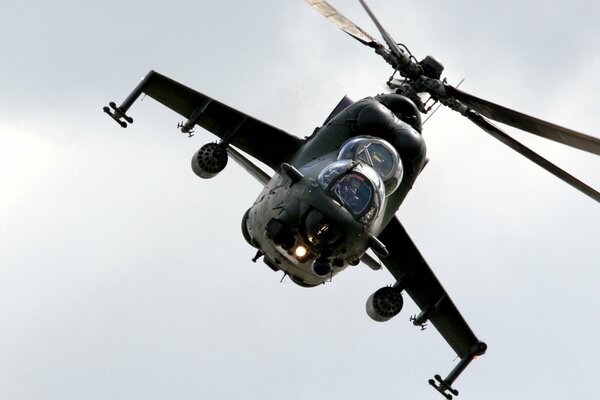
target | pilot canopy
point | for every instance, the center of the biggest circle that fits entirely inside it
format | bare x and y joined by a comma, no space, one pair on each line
378,154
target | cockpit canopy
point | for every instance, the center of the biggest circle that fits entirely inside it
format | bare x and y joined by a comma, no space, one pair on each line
378,154
357,186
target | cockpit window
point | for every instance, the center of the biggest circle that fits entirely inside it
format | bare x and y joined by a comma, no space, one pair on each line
356,185
381,158
378,154
332,171
355,192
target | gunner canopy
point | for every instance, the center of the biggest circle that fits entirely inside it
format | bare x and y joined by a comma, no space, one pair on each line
357,186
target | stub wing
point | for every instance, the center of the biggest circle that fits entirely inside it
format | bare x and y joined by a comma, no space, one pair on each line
268,144
410,269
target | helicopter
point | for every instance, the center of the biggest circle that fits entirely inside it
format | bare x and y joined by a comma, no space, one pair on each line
333,195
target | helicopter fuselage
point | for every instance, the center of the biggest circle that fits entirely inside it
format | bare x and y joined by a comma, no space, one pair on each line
334,195
312,219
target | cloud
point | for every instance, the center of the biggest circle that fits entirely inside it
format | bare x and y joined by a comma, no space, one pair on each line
28,162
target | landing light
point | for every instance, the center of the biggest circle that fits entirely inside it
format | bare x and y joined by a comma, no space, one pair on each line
300,251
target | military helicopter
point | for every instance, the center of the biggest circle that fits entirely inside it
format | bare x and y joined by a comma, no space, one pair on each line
333,195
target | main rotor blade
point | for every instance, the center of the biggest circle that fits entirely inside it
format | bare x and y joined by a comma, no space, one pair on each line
478,120
343,23
527,123
400,54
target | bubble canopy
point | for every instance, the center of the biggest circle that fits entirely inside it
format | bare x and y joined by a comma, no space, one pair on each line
378,154
357,186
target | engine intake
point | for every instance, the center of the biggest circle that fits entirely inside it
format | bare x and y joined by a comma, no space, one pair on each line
209,160
384,304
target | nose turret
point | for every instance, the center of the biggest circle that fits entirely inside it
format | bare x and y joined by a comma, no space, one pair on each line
320,230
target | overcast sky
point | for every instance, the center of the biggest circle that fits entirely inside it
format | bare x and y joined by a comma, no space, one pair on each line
123,275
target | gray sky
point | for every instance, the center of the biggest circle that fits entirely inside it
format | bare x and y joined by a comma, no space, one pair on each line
122,275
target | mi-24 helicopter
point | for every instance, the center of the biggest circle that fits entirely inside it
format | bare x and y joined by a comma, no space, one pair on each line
334,194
